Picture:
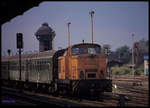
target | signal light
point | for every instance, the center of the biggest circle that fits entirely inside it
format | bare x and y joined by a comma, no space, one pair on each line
19,40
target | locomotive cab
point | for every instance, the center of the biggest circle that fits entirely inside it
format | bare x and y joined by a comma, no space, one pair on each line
82,61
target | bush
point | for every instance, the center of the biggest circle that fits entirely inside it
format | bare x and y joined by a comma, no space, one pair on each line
115,70
140,70
124,70
121,70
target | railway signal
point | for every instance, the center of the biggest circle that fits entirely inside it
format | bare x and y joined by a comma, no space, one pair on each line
20,46
9,51
19,40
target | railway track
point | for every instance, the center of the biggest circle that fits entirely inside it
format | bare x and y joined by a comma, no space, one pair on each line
44,99
37,99
7,100
135,88
138,96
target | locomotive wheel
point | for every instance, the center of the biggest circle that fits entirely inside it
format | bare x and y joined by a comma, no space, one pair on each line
63,92
46,89
51,90
33,88
42,88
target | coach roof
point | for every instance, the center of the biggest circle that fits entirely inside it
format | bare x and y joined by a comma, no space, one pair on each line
29,56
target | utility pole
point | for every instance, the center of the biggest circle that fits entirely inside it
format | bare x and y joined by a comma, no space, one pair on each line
68,34
91,13
133,54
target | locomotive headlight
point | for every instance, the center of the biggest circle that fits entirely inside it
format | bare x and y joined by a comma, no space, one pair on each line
102,73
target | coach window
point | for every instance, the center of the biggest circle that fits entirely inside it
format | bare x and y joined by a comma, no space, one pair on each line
34,66
30,66
22,67
15,67
40,67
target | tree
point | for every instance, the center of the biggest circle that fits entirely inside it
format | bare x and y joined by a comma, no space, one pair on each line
141,50
124,53
142,40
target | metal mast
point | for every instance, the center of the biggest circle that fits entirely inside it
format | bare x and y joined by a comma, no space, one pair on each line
91,13
133,54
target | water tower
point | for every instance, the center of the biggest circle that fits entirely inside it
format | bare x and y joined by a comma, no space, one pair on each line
45,35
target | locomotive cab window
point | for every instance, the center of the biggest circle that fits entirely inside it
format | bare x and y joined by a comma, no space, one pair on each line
77,50
94,50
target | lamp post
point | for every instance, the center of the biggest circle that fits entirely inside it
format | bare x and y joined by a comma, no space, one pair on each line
91,13
133,54
67,74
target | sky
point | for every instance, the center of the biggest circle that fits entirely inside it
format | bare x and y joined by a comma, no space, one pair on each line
114,23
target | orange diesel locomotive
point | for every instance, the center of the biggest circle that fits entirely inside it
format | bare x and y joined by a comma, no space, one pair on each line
82,71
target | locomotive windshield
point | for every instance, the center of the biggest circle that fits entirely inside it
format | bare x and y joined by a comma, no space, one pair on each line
88,49
93,50
78,50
